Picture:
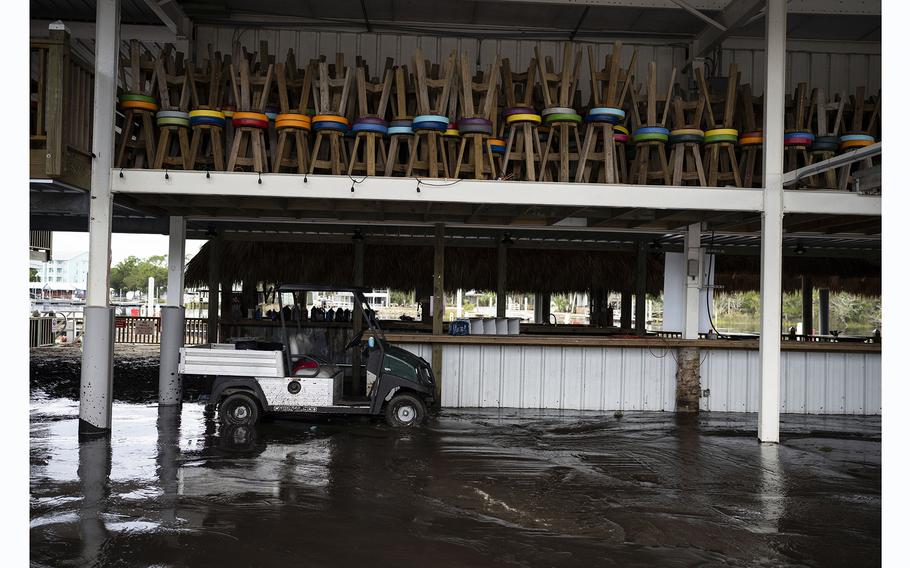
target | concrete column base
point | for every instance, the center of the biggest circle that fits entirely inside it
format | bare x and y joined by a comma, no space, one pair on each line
96,384
170,386
688,379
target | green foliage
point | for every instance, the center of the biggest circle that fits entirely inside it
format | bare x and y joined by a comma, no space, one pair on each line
132,273
399,298
33,275
468,307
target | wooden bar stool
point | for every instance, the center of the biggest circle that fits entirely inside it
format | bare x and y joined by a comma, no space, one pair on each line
651,135
751,138
428,155
522,150
476,124
862,132
608,94
559,91
370,127
137,138
250,123
451,138
330,123
798,136
829,120
686,140
173,119
721,137
207,121
292,151
401,132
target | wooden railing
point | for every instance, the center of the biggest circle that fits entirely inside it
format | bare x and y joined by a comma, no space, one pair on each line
147,330
41,331
61,92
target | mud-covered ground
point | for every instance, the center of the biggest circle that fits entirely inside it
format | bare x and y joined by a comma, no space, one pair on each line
55,372
471,488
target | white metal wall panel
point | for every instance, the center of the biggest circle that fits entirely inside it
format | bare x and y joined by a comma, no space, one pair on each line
835,72
811,382
608,378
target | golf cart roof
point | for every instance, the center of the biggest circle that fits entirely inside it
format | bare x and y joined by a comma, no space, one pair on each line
320,288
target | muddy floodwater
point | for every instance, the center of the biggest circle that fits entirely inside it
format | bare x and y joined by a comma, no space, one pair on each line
471,488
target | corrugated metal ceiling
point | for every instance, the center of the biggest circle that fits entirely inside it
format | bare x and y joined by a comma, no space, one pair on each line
506,19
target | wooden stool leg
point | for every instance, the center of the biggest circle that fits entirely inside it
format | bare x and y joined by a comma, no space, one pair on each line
734,166
393,156
315,156
235,151
544,161
280,151
581,175
508,155
301,149
412,158
148,132
354,155
183,136
125,134
163,142
194,146
217,149
664,165
464,142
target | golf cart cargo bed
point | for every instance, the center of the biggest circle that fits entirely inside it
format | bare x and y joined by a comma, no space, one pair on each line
224,359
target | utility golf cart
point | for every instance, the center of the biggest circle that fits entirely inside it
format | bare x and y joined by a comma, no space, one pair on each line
254,378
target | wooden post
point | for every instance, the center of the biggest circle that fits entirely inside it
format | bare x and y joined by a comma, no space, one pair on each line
807,305
356,376
214,279
824,306
625,309
438,306
641,288
501,271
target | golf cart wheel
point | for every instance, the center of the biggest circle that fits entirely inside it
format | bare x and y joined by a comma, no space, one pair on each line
405,411
239,409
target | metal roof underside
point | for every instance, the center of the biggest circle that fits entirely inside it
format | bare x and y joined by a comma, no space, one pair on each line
846,20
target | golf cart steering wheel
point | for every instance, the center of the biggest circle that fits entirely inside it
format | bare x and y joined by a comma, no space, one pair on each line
354,341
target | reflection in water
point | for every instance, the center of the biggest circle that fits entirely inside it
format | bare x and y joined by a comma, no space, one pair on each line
472,488
167,460
94,480
772,492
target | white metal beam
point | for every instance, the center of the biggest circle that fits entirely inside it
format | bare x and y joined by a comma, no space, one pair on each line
839,7
772,222
435,190
831,202
86,30
693,278
734,16
170,387
171,15
832,163
96,380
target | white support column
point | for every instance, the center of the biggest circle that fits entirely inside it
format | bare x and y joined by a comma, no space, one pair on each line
96,382
772,222
693,272
170,387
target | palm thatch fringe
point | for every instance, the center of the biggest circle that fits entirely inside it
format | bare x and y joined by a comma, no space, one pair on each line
405,267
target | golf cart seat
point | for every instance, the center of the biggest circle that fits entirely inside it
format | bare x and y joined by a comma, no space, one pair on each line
314,366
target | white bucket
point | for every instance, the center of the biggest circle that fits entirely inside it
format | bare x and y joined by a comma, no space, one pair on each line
476,326
502,326
489,326
513,325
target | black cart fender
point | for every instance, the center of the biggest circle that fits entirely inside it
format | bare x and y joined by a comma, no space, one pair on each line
389,383
227,385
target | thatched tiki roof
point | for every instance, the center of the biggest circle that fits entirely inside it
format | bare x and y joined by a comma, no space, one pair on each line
407,267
